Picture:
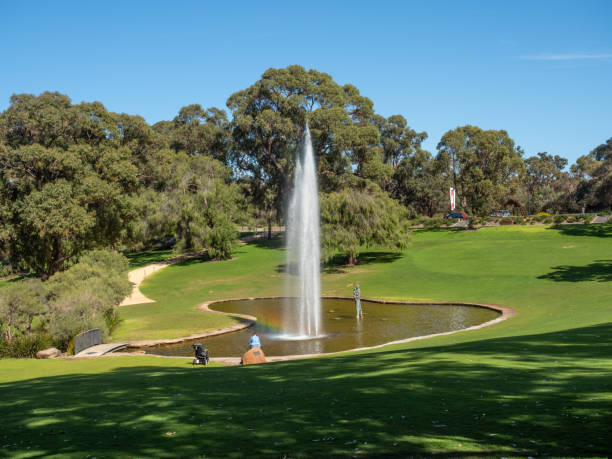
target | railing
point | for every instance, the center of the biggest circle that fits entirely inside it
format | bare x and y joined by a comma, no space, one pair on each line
87,339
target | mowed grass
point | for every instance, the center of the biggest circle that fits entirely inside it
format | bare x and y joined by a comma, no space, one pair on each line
537,384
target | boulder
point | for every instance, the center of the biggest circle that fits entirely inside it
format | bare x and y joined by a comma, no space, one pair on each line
50,353
253,357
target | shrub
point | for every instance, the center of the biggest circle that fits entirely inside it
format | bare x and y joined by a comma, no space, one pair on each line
574,218
112,320
221,240
70,302
74,312
24,346
20,304
559,219
548,220
437,222
506,221
519,220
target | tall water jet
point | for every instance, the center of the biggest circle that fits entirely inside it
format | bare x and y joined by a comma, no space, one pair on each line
303,244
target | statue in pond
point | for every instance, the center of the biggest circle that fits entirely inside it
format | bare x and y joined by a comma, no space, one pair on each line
357,296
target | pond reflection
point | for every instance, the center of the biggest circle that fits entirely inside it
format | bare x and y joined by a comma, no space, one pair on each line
382,323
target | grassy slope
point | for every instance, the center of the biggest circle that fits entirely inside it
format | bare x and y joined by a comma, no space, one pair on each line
538,383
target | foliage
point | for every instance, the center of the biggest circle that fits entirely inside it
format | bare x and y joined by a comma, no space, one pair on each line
269,119
483,166
352,219
62,187
194,204
419,183
196,131
75,176
20,303
23,346
545,182
112,320
594,175
69,303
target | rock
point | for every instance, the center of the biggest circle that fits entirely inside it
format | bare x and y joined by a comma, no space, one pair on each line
254,356
50,353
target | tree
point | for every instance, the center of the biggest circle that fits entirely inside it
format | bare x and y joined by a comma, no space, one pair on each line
543,175
483,166
421,185
192,201
58,203
354,218
594,175
66,172
398,140
268,124
197,131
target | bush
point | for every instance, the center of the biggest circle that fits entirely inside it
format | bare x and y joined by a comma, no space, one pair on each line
506,221
559,219
74,312
23,346
574,218
437,222
519,220
548,220
112,320
221,240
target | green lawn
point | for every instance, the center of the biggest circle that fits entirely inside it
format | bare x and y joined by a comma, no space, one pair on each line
537,384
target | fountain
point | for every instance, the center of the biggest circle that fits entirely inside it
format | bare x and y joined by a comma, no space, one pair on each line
303,246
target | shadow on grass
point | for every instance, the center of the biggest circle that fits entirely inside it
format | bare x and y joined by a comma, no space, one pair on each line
276,242
543,394
600,271
138,259
338,263
593,230
202,258
455,229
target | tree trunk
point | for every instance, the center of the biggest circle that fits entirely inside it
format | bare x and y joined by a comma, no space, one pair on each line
352,259
269,227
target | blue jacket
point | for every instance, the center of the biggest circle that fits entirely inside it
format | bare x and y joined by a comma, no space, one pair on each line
254,342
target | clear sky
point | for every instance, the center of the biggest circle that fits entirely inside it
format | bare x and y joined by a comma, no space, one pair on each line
542,70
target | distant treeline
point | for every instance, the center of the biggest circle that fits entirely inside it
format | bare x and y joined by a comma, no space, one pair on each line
76,176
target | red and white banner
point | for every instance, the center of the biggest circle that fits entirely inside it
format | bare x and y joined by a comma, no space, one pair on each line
452,198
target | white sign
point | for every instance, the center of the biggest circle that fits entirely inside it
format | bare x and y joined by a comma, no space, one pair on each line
452,198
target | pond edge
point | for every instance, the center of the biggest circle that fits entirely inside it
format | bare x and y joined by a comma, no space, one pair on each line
248,320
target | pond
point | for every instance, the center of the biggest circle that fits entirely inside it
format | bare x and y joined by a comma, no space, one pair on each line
381,323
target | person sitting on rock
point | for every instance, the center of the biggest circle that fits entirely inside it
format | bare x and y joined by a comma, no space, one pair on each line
254,341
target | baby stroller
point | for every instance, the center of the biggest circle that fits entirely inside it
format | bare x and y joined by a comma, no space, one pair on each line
201,354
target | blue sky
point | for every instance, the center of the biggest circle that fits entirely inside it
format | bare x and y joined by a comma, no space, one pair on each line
541,70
